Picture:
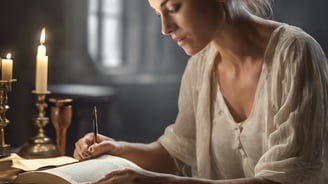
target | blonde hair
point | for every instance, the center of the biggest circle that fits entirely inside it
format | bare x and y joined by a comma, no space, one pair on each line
261,8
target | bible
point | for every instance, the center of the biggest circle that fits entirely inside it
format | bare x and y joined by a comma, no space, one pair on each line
80,172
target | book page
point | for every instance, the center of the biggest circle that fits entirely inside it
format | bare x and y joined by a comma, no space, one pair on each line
34,164
81,172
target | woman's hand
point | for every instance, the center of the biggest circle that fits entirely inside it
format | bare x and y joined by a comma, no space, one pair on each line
86,147
129,176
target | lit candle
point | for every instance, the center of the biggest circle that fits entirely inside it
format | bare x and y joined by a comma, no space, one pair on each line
7,68
41,76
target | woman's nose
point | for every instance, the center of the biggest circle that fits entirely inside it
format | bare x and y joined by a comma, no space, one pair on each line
167,25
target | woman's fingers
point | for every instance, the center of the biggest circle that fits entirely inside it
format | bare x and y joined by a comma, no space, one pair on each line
129,176
104,147
81,147
123,176
86,148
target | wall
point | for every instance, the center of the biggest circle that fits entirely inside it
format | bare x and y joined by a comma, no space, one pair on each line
308,15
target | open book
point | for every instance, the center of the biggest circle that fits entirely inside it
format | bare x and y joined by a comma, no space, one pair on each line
15,161
80,172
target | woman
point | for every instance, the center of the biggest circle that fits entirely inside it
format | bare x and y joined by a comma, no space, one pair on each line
252,103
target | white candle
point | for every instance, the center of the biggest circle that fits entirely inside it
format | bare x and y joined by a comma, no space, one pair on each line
7,68
41,76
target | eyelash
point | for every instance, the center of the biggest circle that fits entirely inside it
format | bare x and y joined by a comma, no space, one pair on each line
174,9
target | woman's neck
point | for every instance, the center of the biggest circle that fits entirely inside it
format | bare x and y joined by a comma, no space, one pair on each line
243,39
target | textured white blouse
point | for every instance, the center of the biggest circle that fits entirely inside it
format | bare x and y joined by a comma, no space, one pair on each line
282,139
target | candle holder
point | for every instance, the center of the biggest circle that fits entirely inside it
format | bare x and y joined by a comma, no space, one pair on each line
40,146
5,87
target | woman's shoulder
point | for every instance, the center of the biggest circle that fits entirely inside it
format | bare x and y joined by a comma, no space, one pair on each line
290,42
289,36
292,49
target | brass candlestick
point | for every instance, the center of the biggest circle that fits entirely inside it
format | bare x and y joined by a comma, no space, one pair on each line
5,87
39,146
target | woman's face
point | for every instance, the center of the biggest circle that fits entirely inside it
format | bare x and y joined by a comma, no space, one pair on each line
191,23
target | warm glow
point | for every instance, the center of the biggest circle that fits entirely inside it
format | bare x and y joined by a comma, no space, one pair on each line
43,35
8,56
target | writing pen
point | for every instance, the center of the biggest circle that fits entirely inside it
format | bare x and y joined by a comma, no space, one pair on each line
95,124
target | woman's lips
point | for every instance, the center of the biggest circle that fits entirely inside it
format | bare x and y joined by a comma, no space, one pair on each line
180,40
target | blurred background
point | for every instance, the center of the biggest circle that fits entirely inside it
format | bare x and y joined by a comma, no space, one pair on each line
109,54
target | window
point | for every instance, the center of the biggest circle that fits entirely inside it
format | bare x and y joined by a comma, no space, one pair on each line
105,32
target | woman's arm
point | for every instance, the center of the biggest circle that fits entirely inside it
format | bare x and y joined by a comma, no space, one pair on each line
150,156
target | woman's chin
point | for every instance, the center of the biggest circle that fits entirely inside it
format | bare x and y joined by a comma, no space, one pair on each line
190,51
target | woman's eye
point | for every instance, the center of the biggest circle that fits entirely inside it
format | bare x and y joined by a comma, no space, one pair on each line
174,9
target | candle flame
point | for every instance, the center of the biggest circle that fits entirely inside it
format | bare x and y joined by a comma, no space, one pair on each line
43,35
8,56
